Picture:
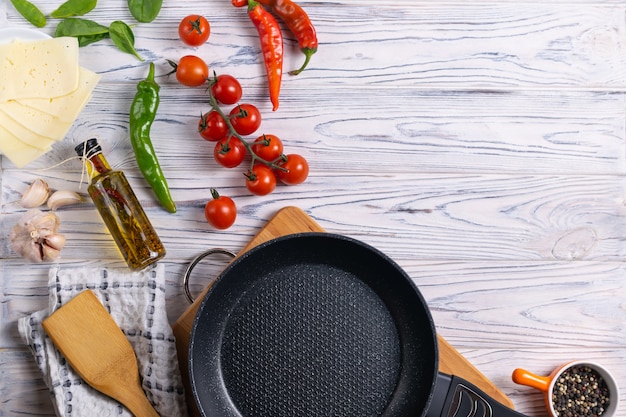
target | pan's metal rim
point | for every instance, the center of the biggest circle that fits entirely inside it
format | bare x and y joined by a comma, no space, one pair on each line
195,262
243,258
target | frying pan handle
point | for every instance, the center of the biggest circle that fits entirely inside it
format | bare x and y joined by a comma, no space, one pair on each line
195,262
456,397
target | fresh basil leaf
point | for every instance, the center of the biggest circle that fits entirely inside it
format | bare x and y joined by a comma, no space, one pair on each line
73,8
76,27
145,11
30,12
122,36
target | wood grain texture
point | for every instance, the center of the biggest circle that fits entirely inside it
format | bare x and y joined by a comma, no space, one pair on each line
482,145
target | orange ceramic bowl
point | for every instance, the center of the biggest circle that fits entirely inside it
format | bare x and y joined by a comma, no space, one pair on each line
546,384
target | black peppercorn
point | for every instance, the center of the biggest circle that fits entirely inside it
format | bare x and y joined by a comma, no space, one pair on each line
580,391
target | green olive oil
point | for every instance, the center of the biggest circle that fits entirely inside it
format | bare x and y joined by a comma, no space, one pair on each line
120,210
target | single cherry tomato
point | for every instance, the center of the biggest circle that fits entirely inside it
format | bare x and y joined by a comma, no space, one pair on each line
294,170
226,89
239,3
191,71
194,30
212,126
221,211
245,118
268,147
229,152
260,180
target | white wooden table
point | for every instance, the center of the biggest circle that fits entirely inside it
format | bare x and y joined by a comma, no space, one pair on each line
480,145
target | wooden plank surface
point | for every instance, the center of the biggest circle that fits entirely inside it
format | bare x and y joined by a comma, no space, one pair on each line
481,145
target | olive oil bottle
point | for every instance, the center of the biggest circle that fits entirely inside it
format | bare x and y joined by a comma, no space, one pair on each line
120,210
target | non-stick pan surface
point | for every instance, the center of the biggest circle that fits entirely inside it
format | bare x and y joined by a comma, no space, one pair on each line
312,325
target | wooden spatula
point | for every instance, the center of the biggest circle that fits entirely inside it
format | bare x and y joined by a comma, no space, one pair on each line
98,351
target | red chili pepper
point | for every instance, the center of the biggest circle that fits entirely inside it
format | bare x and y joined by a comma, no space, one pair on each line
297,21
272,46
300,25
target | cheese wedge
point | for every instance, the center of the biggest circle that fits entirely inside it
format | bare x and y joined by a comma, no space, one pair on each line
18,152
67,107
39,69
23,134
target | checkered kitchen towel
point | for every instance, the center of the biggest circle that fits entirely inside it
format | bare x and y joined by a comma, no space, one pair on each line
136,301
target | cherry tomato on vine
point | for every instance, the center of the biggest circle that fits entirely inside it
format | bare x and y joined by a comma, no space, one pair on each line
190,70
221,211
260,180
226,89
194,30
212,126
229,153
294,170
268,147
245,118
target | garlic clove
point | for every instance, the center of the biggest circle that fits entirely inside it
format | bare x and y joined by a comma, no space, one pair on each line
33,253
62,198
55,241
49,253
35,195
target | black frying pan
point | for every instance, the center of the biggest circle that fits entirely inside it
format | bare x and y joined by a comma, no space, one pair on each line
321,325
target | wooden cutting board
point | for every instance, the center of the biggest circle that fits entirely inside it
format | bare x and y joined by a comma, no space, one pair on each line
291,220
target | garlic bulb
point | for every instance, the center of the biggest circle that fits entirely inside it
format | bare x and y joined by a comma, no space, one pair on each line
62,198
35,236
35,195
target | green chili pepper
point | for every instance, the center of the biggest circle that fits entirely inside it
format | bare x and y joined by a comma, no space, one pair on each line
142,114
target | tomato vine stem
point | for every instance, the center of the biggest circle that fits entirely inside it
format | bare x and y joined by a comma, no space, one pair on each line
232,132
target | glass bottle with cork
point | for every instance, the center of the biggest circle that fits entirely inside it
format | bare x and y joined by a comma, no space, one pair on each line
120,210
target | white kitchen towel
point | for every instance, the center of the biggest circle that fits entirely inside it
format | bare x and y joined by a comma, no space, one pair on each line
136,301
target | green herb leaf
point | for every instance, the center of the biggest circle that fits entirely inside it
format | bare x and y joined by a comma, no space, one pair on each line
145,11
87,31
74,26
85,40
122,36
30,12
74,8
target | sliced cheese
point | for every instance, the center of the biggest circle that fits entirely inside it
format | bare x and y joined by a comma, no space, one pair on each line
18,152
67,107
42,92
38,69
24,134
36,121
